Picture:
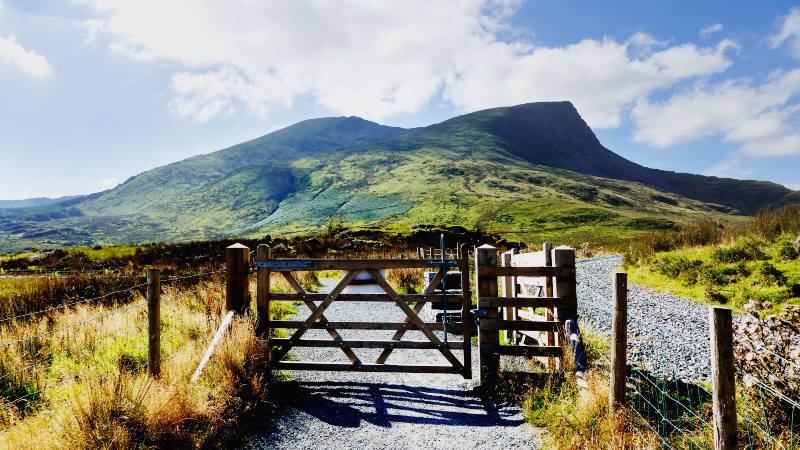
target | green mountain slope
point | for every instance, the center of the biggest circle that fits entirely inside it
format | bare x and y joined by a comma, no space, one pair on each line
529,172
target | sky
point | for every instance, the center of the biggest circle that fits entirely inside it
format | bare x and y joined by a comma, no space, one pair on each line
95,91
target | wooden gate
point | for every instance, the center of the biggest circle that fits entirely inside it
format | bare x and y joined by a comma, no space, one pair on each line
410,304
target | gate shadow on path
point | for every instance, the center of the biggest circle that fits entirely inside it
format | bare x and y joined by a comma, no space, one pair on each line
347,404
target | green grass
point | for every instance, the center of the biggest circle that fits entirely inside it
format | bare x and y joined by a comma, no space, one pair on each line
731,274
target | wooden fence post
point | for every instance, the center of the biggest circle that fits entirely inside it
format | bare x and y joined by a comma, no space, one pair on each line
565,286
509,312
466,309
237,287
723,378
153,322
489,362
263,253
547,248
619,334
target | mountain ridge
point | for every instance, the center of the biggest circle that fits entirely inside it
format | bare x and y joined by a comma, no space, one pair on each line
507,168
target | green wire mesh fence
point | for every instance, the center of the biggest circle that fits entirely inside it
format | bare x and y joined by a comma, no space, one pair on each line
680,413
677,411
769,418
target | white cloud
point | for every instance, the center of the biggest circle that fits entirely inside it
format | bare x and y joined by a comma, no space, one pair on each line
599,76
706,32
730,166
379,59
793,186
25,60
93,29
758,117
789,32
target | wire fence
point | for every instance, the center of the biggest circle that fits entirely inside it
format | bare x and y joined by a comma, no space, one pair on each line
22,386
679,412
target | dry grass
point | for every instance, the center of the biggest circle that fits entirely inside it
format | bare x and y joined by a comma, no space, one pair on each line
406,281
88,387
580,419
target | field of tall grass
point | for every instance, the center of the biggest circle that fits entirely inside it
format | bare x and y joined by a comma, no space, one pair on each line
733,265
75,376
577,416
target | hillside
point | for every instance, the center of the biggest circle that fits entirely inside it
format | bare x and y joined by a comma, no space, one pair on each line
528,172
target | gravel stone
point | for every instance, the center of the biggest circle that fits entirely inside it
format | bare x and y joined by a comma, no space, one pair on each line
338,410
667,334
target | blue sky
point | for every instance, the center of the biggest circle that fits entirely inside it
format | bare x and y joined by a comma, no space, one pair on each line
95,91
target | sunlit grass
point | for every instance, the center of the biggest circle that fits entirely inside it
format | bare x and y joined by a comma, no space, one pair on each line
89,386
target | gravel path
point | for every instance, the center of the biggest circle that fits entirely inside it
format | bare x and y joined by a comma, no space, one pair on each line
666,333
386,410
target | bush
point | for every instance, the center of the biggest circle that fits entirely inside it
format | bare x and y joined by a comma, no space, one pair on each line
718,275
770,224
788,251
744,251
771,275
674,266
405,281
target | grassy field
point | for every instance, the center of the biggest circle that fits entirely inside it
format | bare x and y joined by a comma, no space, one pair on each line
77,377
755,261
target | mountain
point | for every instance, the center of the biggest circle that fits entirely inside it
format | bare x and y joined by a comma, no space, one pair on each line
38,201
530,171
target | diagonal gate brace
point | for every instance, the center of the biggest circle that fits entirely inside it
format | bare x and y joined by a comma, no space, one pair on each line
316,315
322,319
423,327
398,335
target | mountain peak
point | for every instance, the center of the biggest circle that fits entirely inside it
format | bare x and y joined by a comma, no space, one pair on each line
329,133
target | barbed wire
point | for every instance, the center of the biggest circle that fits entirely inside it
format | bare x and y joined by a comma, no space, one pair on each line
104,296
77,302
75,324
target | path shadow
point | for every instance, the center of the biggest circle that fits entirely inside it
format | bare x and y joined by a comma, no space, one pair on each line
348,404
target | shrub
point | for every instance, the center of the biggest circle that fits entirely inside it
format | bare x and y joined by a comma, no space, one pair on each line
770,224
744,251
788,251
405,281
714,275
771,275
674,266
652,223
703,232
713,295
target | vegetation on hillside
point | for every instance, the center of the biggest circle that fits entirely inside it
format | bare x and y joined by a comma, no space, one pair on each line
504,170
754,261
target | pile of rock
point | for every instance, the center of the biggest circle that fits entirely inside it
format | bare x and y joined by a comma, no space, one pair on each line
768,349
